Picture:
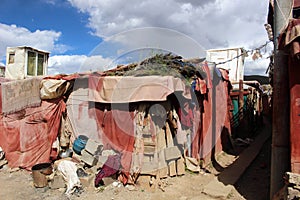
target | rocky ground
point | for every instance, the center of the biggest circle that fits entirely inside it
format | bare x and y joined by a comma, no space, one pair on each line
253,184
19,185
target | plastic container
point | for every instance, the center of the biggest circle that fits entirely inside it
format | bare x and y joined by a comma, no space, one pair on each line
79,144
39,172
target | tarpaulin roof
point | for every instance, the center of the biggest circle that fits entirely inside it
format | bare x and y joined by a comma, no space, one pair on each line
116,89
153,79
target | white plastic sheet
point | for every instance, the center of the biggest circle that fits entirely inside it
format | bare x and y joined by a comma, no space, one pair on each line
68,170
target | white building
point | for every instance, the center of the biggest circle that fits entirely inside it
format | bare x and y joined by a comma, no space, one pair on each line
232,59
23,62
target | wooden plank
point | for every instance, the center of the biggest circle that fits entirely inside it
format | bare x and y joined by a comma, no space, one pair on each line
180,167
172,168
170,143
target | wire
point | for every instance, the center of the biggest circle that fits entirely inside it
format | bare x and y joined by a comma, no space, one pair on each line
244,53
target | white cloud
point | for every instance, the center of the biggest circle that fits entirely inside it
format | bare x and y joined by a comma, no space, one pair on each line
185,26
257,67
151,38
12,35
69,64
212,24
219,23
51,2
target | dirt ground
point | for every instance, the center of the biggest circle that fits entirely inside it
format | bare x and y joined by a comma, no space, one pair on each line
254,184
19,185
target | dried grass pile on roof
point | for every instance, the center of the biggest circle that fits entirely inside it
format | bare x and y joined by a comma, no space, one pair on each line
160,65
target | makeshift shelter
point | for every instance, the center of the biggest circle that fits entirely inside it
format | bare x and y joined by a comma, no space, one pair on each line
156,115
248,118
144,114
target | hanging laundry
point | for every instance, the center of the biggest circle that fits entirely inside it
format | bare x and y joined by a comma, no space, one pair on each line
186,116
193,85
201,86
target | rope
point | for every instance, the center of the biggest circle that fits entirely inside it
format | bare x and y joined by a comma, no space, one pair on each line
245,53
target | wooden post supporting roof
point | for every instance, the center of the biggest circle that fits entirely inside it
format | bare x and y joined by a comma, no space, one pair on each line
280,161
241,96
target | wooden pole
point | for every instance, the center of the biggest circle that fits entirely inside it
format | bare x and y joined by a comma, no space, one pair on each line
280,160
241,96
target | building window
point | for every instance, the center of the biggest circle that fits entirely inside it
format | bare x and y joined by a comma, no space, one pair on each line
40,65
35,63
11,58
31,63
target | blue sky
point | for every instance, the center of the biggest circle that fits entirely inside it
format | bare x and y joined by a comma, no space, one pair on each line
44,15
91,34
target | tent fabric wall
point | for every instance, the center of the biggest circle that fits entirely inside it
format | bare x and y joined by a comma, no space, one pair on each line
294,71
82,119
289,39
126,89
27,136
214,118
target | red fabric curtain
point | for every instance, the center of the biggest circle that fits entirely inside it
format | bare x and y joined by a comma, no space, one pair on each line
116,127
27,136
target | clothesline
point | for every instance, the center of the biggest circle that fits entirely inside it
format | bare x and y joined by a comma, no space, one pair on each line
244,53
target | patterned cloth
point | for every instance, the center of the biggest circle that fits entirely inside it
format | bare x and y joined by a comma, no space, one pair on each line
110,167
20,94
